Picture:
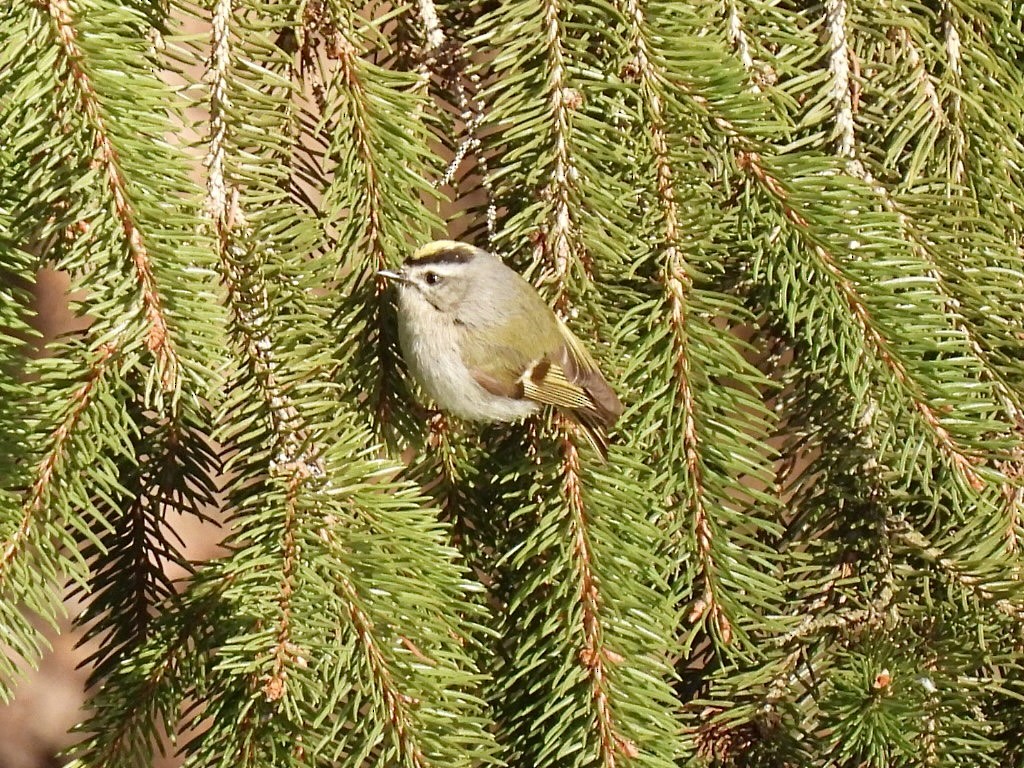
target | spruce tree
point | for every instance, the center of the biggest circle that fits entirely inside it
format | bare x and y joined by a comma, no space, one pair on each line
790,232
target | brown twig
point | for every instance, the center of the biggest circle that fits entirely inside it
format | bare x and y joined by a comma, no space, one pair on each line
285,651
594,655
158,339
677,284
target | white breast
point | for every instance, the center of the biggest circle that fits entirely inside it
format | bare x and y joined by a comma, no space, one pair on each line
434,361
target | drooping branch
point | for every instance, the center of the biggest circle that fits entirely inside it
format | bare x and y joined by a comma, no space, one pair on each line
397,704
116,730
558,245
158,338
677,284
957,571
274,685
217,76
881,346
348,60
248,299
739,39
839,65
594,655
954,61
36,497
920,73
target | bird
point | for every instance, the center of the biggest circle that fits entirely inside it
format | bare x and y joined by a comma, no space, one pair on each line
480,341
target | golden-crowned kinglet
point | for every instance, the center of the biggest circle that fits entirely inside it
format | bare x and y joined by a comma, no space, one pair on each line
480,340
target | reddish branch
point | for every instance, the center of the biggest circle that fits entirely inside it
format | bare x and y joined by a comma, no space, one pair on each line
677,285
594,656
751,162
158,339
39,490
920,246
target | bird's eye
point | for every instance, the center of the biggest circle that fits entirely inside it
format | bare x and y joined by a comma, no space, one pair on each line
432,278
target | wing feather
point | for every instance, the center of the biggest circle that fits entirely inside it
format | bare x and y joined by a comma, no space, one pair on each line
566,377
553,388
582,371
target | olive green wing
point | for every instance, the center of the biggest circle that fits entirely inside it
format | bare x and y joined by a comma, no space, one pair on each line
573,363
566,377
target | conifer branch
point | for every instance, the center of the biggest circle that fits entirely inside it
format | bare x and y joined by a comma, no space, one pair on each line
1013,495
882,347
446,59
274,686
666,184
1010,400
294,461
843,90
381,186
297,455
954,63
956,570
919,243
249,302
840,56
169,467
158,338
397,704
116,732
738,37
431,25
677,284
1008,397
594,655
921,75
557,245
844,94
217,74
349,73
813,622
446,475
247,291
35,501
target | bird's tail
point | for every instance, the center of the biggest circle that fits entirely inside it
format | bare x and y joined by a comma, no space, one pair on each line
594,429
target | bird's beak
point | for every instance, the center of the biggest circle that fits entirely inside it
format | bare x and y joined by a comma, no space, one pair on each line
399,276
